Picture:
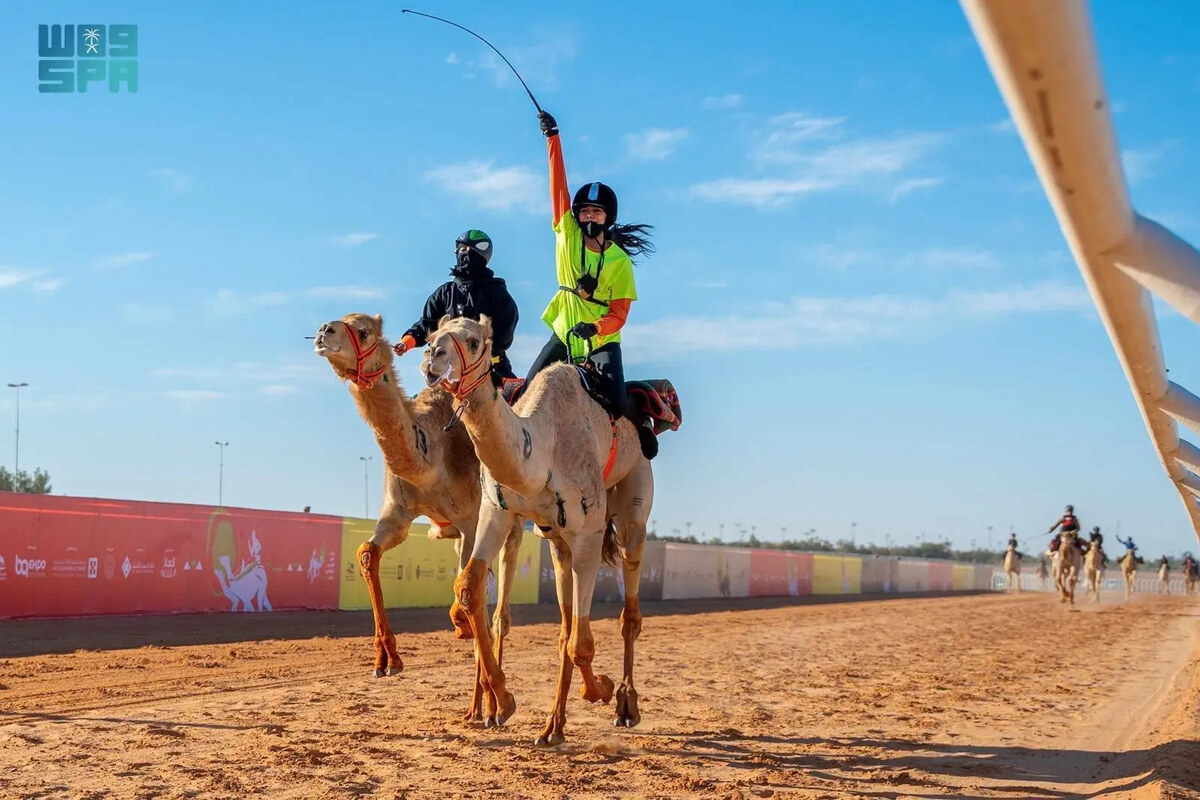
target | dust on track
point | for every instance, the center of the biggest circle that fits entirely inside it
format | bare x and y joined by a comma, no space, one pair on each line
985,696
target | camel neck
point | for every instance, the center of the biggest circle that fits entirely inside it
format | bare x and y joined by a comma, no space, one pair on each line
504,441
384,407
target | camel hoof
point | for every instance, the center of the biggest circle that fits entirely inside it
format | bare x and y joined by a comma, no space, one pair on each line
552,740
508,707
490,722
627,710
396,670
378,673
606,688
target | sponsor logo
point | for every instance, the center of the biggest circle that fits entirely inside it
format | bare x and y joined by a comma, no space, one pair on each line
69,568
130,567
110,567
168,565
3,569
93,568
126,567
29,567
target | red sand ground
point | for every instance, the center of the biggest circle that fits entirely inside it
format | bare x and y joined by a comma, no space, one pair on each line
984,696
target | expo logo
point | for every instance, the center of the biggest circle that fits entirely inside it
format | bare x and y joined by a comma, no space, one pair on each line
72,56
93,567
29,567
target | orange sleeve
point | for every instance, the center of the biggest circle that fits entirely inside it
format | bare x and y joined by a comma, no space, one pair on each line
409,342
560,197
614,320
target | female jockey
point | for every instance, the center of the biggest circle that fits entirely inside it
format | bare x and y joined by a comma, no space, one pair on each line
593,261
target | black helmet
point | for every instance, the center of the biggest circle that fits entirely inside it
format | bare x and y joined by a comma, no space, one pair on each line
478,241
600,195
1070,509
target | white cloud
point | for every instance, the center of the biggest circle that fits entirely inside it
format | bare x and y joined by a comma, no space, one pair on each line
787,131
354,239
453,58
193,395
136,312
722,103
824,321
538,62
174,180
121,260
228,301
48,286
1142,164
806,154
759,192
913,185
348,292
492,187
831,257
654,144
13,276
1004,127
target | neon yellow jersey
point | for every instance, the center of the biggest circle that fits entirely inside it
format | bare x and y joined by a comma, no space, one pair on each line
567,309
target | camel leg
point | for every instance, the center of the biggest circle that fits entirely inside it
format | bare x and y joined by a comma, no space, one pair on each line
475,710
506,571
390,530
630,501
469,610
552,733
585,561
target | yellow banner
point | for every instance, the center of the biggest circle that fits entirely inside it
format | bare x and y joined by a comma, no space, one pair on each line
420,572
964,577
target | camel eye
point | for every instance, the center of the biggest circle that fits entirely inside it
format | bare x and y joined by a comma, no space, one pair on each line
362,335
473,343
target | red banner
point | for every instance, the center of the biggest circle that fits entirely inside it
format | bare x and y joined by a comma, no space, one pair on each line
774,573
68,556
941,576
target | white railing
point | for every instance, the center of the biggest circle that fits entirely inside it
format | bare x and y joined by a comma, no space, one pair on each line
1043,56
1030,582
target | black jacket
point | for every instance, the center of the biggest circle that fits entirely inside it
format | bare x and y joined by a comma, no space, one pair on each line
482,293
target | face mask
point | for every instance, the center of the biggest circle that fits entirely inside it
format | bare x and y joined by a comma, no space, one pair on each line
467,262
592,230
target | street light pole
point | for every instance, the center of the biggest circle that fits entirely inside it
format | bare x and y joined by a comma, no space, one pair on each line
221,475
853,527
17,458
366,501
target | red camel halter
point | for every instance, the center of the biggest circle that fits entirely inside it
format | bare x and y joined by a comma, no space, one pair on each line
361,378
465,386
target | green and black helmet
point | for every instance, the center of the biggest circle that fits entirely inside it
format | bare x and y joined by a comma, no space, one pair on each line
476,241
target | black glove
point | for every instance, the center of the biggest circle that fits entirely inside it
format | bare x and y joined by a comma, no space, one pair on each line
549,126
584,330
585,287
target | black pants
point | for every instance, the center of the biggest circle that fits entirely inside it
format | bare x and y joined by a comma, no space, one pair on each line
608,363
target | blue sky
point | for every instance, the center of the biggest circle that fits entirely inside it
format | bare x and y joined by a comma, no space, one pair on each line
860,292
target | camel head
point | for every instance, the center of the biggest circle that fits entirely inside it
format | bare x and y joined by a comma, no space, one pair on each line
458,358
350,343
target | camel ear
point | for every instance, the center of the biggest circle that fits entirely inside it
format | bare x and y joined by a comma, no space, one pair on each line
442,322
486,322
378,321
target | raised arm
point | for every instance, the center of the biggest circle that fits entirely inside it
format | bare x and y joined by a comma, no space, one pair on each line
560,196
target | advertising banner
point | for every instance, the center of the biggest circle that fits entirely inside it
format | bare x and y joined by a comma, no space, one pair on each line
73,556
913,576
695,571
964,578
941,576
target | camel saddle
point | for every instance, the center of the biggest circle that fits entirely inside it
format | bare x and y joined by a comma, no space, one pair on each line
656,399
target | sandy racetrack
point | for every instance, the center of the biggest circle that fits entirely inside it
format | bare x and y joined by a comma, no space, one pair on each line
984,696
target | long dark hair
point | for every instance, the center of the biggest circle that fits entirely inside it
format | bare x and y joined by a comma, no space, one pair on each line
633,239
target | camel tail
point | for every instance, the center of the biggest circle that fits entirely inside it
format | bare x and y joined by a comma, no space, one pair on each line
608,550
